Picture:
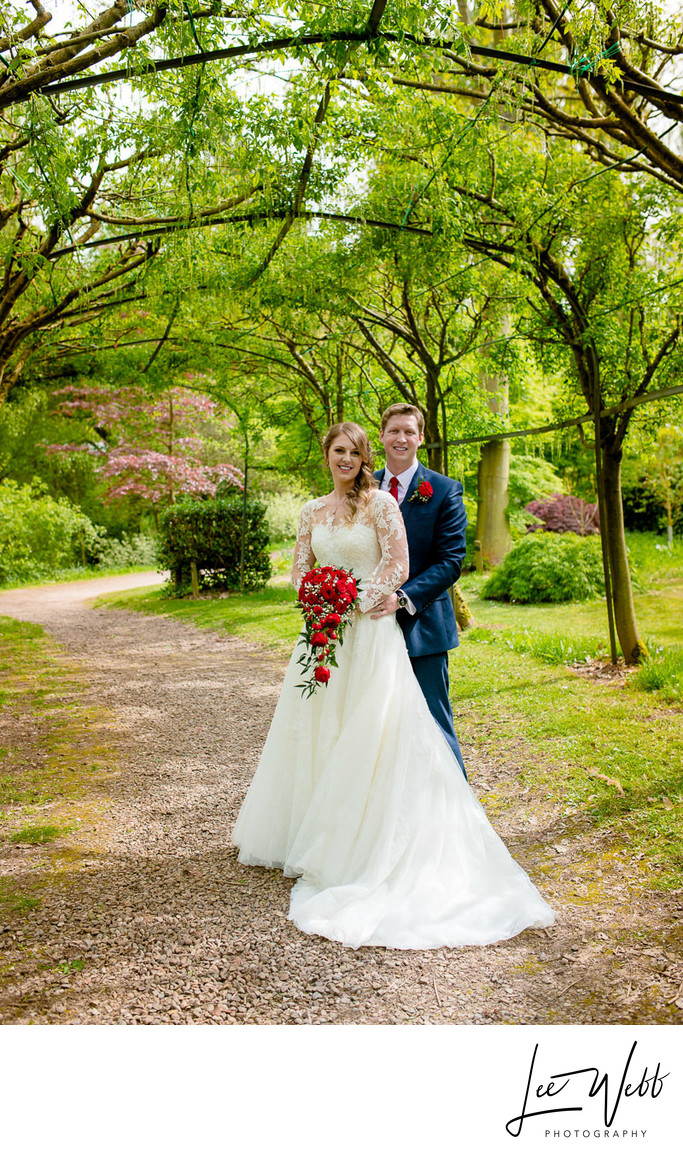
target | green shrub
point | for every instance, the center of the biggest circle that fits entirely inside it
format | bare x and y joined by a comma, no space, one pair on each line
548,568
642,509
130,551
531,477
282,514
647,482
209,533
38,534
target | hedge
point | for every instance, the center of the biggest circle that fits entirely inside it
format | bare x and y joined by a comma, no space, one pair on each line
40,535
209,533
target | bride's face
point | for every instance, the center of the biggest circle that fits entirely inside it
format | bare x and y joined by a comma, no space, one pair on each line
344,460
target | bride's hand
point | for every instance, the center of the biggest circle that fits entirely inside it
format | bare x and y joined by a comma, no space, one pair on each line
388,606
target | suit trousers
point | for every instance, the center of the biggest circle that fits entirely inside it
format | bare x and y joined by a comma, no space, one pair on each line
431,672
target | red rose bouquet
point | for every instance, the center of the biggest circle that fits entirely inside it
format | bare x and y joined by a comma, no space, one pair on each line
326,596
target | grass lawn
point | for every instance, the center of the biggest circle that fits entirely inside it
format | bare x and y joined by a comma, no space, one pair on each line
659,611
571,632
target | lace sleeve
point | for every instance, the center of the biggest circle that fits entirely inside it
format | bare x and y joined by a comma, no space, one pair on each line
304,559
392,569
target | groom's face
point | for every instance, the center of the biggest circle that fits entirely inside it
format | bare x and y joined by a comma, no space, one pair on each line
401,438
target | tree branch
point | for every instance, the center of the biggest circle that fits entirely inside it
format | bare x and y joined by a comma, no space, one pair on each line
252,218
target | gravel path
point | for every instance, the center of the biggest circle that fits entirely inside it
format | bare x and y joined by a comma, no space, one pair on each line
147,917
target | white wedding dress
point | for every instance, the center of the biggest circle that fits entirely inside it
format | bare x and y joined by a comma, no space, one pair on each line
357,791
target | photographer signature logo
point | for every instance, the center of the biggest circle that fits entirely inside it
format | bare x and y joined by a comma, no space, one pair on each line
584,1084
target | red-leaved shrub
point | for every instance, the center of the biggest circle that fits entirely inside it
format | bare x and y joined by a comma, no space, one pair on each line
562,513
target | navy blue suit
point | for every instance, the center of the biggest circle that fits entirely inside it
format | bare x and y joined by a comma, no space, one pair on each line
436,546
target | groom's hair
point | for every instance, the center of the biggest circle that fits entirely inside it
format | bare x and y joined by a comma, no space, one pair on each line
404,409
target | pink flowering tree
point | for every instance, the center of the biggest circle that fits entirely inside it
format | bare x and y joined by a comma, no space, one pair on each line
150,450
564,513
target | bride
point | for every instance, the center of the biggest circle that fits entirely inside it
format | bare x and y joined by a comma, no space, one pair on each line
357,792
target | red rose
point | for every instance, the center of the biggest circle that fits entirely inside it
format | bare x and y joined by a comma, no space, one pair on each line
425,489
326,596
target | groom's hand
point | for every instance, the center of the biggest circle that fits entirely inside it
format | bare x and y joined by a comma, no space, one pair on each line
386,607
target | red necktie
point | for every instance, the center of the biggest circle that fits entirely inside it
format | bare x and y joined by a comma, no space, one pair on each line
393,487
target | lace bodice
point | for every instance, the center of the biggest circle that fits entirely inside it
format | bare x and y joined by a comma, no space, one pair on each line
373,547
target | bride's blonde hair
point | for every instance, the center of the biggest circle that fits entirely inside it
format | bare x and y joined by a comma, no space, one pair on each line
365,481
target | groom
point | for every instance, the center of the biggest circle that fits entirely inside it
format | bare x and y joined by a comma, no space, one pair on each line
435,522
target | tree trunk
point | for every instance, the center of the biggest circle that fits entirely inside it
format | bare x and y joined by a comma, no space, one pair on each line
9,376
463,616
493,529
432,427
340,387
632,646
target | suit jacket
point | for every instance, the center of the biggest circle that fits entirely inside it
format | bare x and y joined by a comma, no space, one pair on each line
436,547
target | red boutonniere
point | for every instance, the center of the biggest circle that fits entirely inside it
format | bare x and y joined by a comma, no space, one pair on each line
423,491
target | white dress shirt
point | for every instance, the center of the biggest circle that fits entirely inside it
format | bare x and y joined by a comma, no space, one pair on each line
404,481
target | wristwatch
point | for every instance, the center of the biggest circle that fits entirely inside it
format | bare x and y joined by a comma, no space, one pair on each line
402,599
